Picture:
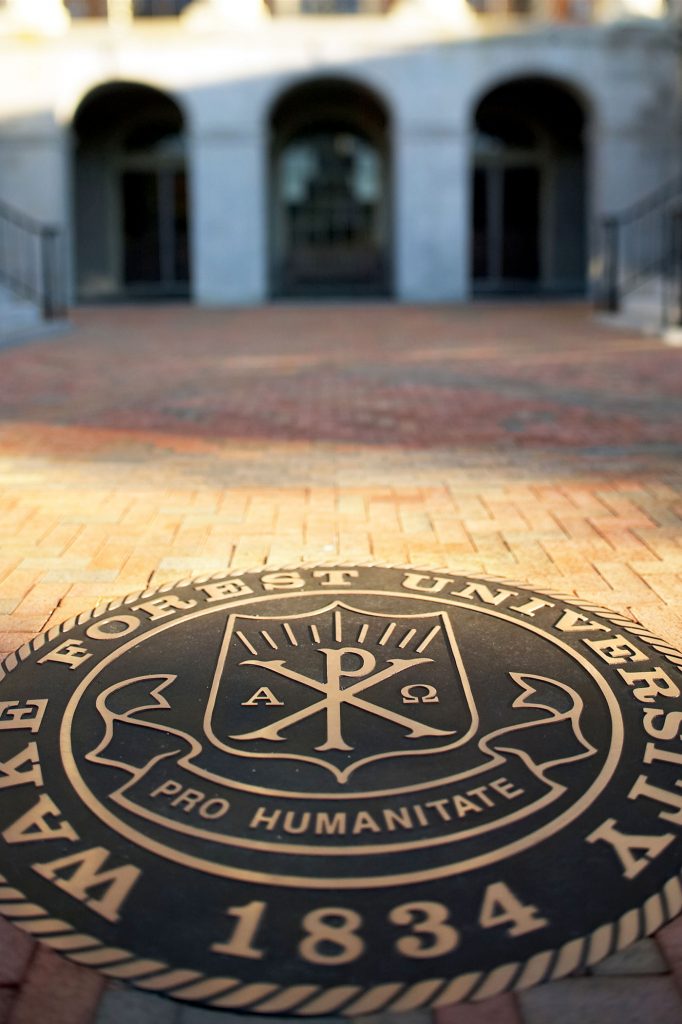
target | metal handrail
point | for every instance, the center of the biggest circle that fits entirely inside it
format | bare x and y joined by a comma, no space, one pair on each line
158,8
550,10
19,218
87,8
639,246
138,8
666,193
30,260
289,8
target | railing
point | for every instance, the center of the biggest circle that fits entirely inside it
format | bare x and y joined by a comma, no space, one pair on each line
136,8
87,8
31,261
158,8
672,276
553,10
550,10
502,6
289,8
642,245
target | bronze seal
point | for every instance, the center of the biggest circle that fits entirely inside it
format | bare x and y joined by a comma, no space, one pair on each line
341,789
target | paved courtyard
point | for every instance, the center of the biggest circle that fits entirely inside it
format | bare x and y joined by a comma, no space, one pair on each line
524,441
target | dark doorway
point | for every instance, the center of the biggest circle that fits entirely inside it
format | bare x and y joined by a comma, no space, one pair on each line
155,229
329,193
529,191
130,195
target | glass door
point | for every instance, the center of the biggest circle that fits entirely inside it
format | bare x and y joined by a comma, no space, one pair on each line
330,215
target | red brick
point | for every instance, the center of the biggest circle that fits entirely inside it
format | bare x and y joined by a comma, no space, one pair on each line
16,949
7,997
56,992
669,939
498,1010
474,437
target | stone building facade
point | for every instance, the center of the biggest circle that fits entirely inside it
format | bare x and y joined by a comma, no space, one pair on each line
232,151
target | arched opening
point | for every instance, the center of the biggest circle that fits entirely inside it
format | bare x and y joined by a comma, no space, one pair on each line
529,230
130,201
329,192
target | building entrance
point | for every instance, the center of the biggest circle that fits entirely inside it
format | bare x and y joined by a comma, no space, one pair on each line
528,191
329,193
130,195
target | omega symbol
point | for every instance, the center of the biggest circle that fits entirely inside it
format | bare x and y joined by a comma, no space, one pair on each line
430,696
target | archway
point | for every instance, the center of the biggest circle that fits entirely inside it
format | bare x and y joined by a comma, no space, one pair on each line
529,215
130,199
330,192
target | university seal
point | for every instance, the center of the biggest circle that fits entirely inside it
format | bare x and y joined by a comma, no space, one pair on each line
341,790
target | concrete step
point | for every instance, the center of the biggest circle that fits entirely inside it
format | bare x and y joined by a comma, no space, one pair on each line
21,319
643,311
16,314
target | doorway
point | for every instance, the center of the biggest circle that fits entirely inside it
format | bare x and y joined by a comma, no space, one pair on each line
132,238
528,231
329,208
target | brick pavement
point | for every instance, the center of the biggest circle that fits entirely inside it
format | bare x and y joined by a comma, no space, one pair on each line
518,440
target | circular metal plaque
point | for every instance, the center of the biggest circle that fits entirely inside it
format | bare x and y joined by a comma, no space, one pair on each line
341,789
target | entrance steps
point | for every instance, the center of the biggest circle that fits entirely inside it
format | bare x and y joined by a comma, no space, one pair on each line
650,310
21,320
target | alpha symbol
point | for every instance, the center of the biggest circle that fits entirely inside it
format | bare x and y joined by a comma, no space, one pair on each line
335,695
263,695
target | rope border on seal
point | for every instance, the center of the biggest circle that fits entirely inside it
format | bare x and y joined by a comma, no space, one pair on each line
344,1000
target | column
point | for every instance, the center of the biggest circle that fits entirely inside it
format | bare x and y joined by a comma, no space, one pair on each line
454,14
120,12
235,13
42,17
432,213
228,202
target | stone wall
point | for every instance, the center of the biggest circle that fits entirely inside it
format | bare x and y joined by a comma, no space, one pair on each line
430,77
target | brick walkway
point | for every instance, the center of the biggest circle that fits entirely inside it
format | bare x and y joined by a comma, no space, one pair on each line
522,441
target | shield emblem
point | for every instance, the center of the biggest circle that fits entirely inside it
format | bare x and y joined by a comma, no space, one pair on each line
339,687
